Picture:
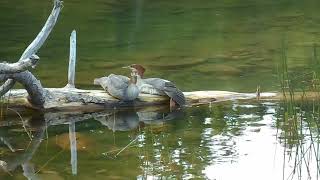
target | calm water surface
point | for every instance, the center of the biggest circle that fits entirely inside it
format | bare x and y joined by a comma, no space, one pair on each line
200,45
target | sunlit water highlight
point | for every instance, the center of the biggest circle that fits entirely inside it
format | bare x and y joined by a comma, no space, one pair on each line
235,140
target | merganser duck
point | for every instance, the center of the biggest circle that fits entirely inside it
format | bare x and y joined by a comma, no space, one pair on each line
158,86
120,87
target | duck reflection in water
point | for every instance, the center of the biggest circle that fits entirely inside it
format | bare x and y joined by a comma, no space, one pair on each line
114,120
120,121
128,120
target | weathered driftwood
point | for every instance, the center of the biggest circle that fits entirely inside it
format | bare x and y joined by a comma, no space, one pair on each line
72,124
72,60
19,66
31,84
60,99
37,42
72,99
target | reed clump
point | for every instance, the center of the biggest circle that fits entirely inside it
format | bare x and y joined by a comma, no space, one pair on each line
299,117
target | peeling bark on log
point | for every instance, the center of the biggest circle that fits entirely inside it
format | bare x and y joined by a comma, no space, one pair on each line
37,42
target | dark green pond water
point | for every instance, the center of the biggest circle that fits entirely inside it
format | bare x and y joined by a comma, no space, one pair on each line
232,45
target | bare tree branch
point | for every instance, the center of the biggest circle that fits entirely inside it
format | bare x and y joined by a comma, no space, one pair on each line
19,66
45,31
31,84
72,60
37,42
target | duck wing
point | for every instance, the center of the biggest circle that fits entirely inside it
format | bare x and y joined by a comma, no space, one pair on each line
116,81
115,85
168,88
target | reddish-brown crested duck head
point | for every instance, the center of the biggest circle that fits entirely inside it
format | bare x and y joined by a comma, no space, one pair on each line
140,69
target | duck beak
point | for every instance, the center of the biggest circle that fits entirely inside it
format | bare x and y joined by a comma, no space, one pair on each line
127,67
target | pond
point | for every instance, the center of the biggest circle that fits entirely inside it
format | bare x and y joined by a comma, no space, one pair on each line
200,45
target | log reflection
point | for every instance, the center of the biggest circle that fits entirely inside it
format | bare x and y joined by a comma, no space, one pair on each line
37,124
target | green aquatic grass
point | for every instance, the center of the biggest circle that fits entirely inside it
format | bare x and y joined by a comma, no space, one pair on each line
299,122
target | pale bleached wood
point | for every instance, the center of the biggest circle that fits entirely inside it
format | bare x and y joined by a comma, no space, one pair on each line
64,99
67,99
72,60
35,93
73,148
71,84
37,42
20,66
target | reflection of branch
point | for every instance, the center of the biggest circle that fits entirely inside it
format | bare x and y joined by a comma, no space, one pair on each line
121,120
126,146
52,158
125,120
27,155
59,118
28,171
4,166
22,121
73,147
7,143
37,42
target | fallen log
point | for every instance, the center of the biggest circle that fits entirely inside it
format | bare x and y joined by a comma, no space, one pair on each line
80,100
72,99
